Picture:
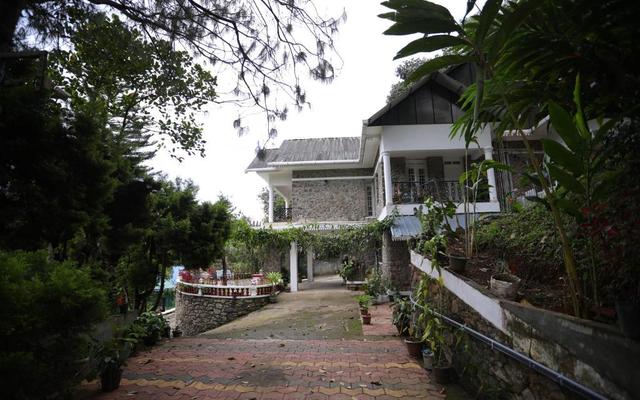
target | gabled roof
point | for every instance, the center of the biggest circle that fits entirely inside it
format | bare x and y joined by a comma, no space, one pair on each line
441,88
307,151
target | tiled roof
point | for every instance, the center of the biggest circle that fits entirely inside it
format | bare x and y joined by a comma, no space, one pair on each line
306,150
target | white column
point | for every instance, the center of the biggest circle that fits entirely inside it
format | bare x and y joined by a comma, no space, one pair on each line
310,264
293,267
388,186
270,204
491,176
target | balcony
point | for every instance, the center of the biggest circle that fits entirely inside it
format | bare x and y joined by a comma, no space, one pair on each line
415,192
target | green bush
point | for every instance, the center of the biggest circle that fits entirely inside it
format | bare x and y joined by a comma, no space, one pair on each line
48,307
526,239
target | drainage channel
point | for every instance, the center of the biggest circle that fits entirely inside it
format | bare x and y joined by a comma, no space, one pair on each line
560,379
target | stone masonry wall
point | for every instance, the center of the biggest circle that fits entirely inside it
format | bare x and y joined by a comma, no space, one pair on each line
483,371
593,354
197,314
396,262
331,173
331,200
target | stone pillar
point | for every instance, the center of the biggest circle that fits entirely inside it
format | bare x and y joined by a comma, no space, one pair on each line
270,204
293,267
310,264
388,186
491,176
395,262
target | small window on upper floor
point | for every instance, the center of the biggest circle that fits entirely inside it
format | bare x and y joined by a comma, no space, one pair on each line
369,201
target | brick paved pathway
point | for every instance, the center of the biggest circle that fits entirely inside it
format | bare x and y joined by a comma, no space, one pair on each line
207,367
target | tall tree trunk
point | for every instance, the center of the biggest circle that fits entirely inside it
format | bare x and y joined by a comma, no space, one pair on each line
10,11
163,273
224,269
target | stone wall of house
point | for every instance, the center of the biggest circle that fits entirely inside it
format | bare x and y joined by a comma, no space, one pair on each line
396,262
330,200
196,314
589,353
332,173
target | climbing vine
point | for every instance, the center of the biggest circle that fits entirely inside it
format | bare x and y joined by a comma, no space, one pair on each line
253,245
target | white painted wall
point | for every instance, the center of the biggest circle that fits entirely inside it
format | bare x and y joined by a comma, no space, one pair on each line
426,137
488,307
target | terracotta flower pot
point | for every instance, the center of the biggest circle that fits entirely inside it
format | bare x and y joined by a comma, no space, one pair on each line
414,347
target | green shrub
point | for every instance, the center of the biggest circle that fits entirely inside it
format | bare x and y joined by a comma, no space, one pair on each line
527,239
48,307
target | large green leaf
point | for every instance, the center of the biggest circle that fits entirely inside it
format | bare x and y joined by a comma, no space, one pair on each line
563,123
439,63
422,25
429,43
486,18
580,119
418,5
511,19
569,207
562,156
565,179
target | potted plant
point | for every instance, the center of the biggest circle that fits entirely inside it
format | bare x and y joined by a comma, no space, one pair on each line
177,332
111,358
436,228
440,355
153,325
364,301
366,319
504,285
348,270
375,287
473,182
275,278
414,341
401,316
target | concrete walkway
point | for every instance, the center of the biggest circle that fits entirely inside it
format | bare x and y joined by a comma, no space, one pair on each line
310,345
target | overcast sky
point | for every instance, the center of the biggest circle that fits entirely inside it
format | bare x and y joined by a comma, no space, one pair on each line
337,109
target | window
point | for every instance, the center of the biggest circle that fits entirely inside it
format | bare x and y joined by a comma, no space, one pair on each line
369,201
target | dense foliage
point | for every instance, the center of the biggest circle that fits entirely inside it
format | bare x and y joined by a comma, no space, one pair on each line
262,48
526,239
48,307
248,248
73,183
530,57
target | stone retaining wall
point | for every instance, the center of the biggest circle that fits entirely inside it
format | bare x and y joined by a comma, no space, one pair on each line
592,354
196,314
